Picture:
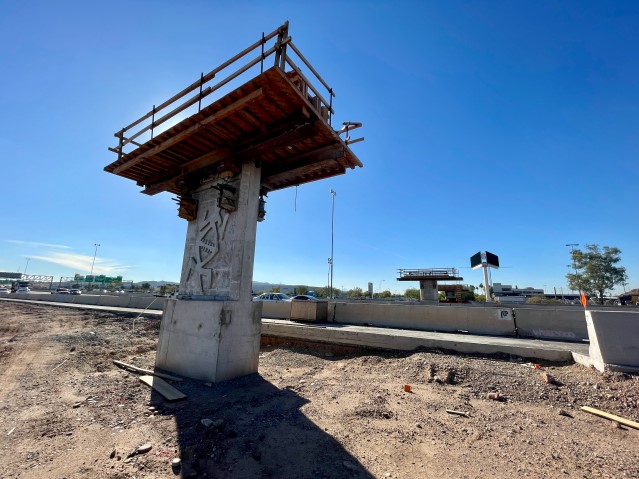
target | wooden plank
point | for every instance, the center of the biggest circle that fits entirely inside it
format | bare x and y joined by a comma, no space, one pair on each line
262,146
164,388
612,417
224,112
124,365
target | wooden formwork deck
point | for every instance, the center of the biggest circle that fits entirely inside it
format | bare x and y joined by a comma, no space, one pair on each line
270,120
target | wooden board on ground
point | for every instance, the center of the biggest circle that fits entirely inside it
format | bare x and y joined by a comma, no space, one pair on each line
164,388
146,371
612,417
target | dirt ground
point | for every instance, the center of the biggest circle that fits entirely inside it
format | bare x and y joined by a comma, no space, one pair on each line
66,411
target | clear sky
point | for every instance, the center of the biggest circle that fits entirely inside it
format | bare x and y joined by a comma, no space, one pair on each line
504,126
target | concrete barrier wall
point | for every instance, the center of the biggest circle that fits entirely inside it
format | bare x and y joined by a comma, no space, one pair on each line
144,302
276,309
117,301
547,323
489,321
614,343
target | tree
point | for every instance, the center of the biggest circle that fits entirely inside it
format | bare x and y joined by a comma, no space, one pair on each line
356,292
145,286
595,270
301,289
412,293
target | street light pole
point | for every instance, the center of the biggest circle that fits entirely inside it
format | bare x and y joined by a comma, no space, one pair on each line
572,258
333,193
94,255
26,266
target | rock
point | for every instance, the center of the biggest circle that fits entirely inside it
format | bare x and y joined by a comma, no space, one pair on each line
548,378
152,408
496,396
418,425
451,377
144,448
175,463
207,422
564,413
77,405
72,349
112,455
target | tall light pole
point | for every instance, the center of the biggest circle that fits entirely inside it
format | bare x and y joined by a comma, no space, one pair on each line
26,266
572,257
333,193
94,255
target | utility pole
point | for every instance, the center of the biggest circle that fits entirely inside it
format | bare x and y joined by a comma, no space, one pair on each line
26,266
94,255
333,193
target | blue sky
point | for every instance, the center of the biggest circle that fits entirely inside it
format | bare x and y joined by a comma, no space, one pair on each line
501,126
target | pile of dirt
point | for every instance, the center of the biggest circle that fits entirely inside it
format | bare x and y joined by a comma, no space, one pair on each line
66,411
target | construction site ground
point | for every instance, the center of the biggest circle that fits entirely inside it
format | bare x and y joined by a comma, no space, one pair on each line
66,411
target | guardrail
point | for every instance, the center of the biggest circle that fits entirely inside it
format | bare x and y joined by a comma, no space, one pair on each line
146,126
403,273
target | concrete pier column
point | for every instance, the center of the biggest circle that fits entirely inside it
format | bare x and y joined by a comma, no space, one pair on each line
212,331
428,293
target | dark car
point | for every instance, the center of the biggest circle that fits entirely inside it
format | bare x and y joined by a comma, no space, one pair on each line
304,297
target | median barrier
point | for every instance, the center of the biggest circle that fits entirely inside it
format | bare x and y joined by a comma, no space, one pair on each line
276,309
614,340
558,323
90,300
488,321
147,302
115,301
309,310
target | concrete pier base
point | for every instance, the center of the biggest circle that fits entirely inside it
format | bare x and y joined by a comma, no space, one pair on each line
210,340
212,332
428,293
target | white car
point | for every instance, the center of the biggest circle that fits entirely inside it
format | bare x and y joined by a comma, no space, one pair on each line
272,297
23,289
4,290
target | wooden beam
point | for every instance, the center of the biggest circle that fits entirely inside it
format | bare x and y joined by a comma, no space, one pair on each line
304,174
159,184
145,371
247,152
612,417
164,388
223,113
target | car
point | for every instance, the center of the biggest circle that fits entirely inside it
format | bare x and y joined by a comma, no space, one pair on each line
4,290
75,291
304,297
61,291
23,289
272,297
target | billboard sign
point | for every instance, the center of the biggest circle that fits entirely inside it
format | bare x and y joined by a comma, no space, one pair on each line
492,260
475,260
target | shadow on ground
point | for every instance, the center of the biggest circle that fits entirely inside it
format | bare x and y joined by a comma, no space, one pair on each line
255,430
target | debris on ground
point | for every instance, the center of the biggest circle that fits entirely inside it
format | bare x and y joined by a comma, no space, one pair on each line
312,411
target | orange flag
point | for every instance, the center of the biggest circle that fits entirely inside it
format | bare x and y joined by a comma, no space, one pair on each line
584,300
